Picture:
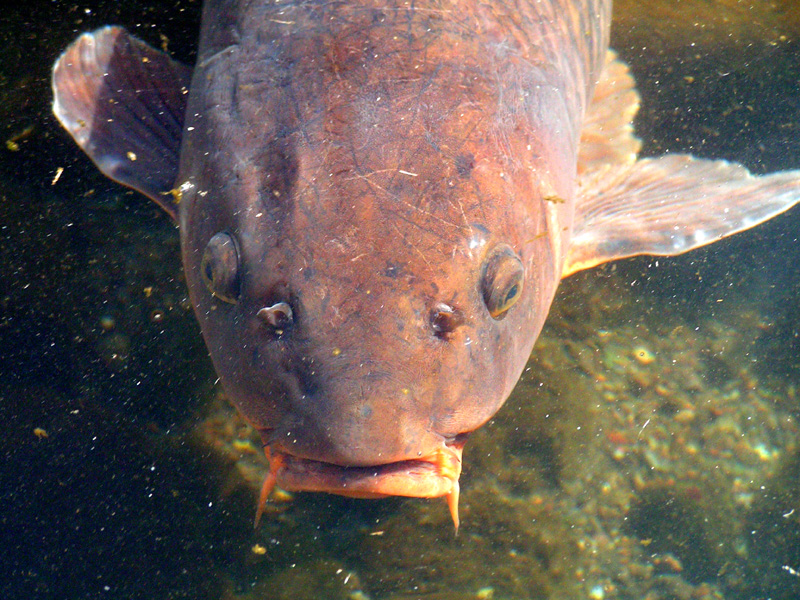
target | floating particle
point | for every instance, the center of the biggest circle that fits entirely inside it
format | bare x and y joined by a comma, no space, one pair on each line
643,355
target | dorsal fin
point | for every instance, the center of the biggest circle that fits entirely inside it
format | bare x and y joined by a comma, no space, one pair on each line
607,137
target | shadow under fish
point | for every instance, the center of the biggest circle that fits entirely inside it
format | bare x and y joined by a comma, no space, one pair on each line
376,203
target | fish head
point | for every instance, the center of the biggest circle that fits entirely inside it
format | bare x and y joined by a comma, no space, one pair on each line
370,265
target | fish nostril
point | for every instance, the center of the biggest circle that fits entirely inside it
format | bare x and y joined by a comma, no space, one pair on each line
278,316
444,319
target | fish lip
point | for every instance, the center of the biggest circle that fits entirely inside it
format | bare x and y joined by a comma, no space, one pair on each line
424,478
429,476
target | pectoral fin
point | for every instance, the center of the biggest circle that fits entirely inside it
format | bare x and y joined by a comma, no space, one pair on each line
123,102
670,205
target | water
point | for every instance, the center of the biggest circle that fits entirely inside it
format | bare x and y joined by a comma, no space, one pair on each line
651,450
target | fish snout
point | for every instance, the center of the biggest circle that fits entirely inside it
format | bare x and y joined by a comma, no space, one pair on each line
354,415
350,398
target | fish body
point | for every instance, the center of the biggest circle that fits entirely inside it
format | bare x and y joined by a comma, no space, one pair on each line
377,201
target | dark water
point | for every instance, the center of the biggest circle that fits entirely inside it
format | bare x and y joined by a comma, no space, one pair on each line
118,497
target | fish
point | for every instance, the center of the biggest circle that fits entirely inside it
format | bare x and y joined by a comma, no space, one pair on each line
377,201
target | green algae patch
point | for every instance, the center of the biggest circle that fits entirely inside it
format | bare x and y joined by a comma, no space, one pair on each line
773,543
678,527
520,548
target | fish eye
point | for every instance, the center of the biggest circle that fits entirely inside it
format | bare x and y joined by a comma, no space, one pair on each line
220,267
502,280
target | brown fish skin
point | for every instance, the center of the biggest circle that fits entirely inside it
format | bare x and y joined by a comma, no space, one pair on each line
367,159
376,203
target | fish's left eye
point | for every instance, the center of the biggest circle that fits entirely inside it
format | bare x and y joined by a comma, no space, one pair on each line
219,267
502,280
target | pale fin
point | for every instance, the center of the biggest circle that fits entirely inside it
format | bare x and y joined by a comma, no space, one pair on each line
670,205
607,138
123,102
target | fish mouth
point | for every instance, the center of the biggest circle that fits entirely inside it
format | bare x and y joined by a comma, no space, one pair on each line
430,476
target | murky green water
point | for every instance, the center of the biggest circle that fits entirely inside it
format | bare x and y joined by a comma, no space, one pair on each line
651,451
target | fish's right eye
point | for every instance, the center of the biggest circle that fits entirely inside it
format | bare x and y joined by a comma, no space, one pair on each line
219,267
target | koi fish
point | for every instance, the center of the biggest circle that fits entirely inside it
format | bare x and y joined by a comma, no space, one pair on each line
377,201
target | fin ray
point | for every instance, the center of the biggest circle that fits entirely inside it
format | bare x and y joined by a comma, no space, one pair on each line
123,102
607,136
672,204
